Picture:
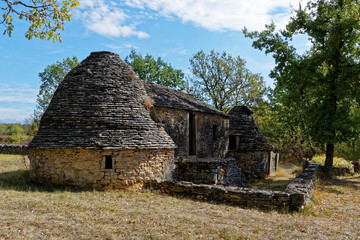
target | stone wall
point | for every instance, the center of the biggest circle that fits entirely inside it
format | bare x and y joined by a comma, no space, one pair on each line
176,124
210,171
205,143
86,167
294,197
254,165
340,171
14,149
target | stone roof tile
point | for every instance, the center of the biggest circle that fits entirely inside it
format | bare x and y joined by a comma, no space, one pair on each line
98,105
242,123
167,97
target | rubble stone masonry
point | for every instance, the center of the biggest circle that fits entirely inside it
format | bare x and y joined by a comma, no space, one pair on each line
86,167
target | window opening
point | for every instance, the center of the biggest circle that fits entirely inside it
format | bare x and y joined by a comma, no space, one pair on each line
108,162
214,133
192,134
232,142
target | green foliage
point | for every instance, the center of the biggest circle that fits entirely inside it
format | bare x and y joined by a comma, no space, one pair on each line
338,161
50,79
225,81
14,133
284,133
319,87
156,70
46,17
18,138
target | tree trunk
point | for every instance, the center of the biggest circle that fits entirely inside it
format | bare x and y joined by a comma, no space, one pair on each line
329,159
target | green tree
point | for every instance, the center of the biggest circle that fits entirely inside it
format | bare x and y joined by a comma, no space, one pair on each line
156,70
50,79
225,81
17,134
320,86
45,17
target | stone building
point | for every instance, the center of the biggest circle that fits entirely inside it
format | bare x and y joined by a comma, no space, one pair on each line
248,145
98,132
197,128
106,128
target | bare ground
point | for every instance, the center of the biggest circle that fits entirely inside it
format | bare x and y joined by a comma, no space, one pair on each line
48,212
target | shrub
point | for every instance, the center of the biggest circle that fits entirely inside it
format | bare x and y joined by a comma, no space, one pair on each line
338,162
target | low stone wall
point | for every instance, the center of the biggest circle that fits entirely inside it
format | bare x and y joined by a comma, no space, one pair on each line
294,197
340,171
301,188
210,171
14,149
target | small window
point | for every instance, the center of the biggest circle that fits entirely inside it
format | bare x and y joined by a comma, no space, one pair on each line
232,142
108,162
214,132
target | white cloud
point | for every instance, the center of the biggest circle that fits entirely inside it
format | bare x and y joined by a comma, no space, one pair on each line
107,19
15,115
18,95
221,15
112,19
17,102
121,46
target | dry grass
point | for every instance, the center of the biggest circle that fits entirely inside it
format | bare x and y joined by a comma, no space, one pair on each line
278,180
132,75
148,102
47,212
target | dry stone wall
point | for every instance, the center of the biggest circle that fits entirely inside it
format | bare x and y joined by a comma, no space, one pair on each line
14,149
255,165
210,171
86,167
207,144
294,197
176,124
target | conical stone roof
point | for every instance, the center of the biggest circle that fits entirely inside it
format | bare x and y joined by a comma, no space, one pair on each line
242,123
100,105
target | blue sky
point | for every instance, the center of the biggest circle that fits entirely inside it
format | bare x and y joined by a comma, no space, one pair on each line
173,30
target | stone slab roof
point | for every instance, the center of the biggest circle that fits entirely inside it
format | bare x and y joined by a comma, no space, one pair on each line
100,105
242,123
167,97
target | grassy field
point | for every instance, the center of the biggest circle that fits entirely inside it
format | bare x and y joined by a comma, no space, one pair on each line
48,212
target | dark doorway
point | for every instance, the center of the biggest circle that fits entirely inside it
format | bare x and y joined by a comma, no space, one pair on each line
192,134
232,142
108,162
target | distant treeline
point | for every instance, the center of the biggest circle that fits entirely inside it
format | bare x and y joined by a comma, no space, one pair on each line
16,133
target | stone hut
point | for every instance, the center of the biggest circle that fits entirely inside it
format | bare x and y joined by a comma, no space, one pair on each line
248,145
98,132
197,128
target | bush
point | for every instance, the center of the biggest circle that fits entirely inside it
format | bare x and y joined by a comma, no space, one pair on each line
338,162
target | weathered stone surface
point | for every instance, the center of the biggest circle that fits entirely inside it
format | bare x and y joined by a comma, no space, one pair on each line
206,171
101,108
294,197
170,98
249,146
254,165
176,124
242,124
14,149
85,167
